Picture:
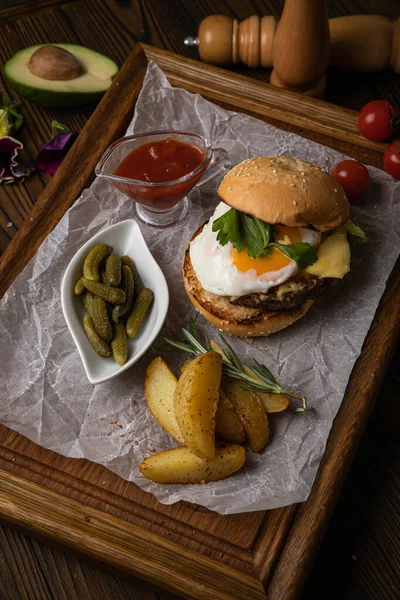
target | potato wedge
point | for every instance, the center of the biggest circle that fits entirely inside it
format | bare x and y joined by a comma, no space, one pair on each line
195,402
250,411
179,465
227,424
217,348
159,388
273,402
184,365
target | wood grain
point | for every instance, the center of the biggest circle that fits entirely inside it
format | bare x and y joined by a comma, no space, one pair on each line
114,541
265,561
304,26
251,546
334,123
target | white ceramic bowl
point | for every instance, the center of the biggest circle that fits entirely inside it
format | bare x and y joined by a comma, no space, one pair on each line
125,238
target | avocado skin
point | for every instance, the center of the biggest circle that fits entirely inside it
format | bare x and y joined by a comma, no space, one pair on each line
54,98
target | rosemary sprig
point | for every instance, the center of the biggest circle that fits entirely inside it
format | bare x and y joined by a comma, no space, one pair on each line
263,380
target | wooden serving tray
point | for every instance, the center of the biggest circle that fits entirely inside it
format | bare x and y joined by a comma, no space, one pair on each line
83,506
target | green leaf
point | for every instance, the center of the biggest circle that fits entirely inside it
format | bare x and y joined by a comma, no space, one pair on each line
355,231
5,123
257,235
244,231
192,328
56,127
232,367
17,119
5,100
302,253
227,226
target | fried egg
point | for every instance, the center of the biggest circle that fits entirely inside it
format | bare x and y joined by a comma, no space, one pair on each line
225,271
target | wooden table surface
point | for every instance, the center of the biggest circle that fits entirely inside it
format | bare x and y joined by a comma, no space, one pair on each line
360,556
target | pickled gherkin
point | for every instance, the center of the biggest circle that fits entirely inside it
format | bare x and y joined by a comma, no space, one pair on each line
87,301
115,300
139,311
99,345
128,285
79,287
108,293
100,319
91,266
126,260
112,274
119,344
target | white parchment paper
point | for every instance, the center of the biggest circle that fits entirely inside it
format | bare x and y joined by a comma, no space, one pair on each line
46,396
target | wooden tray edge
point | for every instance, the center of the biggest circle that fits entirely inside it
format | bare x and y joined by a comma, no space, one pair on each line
122,545
284,564
283,105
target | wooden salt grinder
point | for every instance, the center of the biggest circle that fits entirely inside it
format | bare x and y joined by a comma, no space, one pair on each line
301,47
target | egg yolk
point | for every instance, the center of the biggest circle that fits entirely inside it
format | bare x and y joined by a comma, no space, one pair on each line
275,260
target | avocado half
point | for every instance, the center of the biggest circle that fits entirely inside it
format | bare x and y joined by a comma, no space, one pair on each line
85,89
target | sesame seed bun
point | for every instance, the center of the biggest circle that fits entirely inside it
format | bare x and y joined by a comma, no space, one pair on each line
285,190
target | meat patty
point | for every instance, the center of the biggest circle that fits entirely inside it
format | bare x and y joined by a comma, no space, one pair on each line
284,297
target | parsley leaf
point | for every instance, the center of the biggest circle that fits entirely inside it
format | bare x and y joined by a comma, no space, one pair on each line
355,231
257,235
302,253
245,231
228,229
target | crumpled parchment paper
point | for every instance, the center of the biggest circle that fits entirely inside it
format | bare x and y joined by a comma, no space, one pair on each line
46,396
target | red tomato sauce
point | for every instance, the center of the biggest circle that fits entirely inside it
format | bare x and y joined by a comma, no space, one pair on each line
159,162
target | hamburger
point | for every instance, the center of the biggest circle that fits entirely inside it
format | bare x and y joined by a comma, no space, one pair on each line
276,241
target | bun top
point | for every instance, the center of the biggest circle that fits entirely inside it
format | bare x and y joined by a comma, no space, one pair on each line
286,190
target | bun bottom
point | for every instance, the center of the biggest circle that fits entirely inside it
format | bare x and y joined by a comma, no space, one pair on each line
232,319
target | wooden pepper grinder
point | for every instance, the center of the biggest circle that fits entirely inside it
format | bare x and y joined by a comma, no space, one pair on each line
301,47
226,41
358,42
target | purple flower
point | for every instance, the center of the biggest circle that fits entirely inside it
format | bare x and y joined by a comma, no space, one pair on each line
9,168
51,155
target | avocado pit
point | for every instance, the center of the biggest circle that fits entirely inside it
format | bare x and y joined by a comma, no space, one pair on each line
55,64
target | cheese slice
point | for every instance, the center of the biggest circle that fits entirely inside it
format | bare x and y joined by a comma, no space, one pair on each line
290,286
333,256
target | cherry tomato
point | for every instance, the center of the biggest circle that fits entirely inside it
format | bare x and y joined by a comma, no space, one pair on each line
353,177
377,120
391,159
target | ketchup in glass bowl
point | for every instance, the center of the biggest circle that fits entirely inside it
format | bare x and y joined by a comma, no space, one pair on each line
157,170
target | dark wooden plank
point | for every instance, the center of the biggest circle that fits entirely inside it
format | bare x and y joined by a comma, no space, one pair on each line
167,38
32,570
353,414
